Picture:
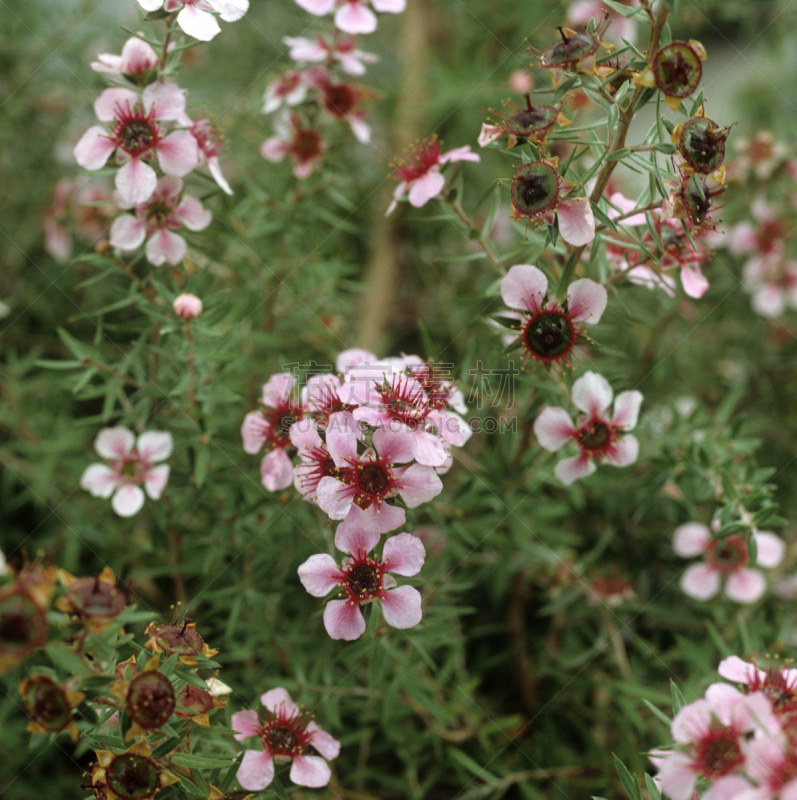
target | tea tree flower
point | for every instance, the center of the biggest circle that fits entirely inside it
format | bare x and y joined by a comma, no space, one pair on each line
725,560
366,481
167,209
210,144
601,435
419,175
49,705
131,464
304,146
549,330
187,306
363,579
135,134
287,734
341,49
270,427
353,16
778,684
196,18
137,62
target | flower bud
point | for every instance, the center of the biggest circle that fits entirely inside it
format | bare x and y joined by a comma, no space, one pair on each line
187,306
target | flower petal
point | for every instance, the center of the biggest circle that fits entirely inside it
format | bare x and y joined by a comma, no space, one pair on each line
586,300
317,574
576,221
155,445
700,581
402,607
626,410
93,149
554,428
344,620
693,280
155,481
355,538
128,500
276,470
127,232
770,549
592,393
115,443
178,153
327,745
423,189
99,479
245,724
165,246
625,451
746,585
197,23
256,770
279,698
691,539
311,771
135,182
418,485
524,287
404,554
569,470
355,18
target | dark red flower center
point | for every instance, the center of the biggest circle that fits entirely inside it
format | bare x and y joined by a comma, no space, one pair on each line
549,335
364,579
423,157
339,99
306,145
718,754
373,480
596,437
727,555
405,401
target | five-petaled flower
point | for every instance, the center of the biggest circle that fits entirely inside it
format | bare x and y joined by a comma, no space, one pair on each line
547,329
131,464
726,558
600,436
353,16
288,734
136,135
363,579
419,173
196,18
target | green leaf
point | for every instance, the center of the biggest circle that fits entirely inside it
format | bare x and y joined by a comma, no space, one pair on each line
678,701
627,779
658,713
653,790
617,155
194,761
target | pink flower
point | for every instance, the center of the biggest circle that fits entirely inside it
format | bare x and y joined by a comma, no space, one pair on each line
136,135
130,465
771,280
772,764
353,16
316,462
725,559
136,62
210,144
710,735
364,482
548,330
187,306
342,101
286,732
290,88
778,684
600,436
341,49
156,220
196,16
304,145
419,173
580,13
270,426
363,579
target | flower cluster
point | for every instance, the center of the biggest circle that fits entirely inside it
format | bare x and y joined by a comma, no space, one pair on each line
317,91
150,138
735,743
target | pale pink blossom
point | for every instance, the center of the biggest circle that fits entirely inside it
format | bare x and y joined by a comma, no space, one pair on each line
725,560
210,144
364,482
353,16
135,134
287,734
340,49
548,329
304,146
601,435
771,280
363,579
343,101
419,175
289,89
187,306
167,210
131,464
270,426
580,13
196,17
710,736
137,60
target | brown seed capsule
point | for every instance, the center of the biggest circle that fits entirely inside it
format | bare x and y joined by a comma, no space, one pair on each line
150,699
